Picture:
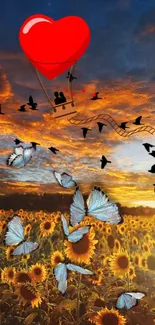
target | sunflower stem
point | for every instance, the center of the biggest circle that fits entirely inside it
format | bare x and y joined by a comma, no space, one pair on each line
78,295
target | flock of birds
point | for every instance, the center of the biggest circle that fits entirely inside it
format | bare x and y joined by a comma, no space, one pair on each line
151,152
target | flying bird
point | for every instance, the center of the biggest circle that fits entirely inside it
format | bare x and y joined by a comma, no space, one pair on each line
1,113
148,146
123,125
137,121
15,237
100,126
54,150
32,104
85,130
104,161
22,108
17,141
152,170
64,179
95,96
21,156
152,153
70,77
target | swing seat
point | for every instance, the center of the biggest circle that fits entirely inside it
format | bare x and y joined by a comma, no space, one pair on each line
59,110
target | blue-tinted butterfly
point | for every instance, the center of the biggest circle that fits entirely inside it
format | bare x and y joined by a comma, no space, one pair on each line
64,180
15,236
21,156
98,205
76,235
129,300
60,273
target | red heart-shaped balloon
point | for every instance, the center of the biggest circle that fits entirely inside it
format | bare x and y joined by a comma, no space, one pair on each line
54,46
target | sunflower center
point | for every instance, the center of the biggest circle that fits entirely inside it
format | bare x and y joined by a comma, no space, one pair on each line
123,262
151,262
110,319
57,259
47,225
27,294
82,246
23,277
110,241
11,274
37,270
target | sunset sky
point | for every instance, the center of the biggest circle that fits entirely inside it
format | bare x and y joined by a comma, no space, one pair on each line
120,64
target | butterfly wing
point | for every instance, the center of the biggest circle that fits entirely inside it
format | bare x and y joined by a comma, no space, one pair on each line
18,162
76,235
19,150
65,225
137,295
120,302
129,301
27,154
100,207
15,233
57,177
77,208
79,269
60,273
25,248
67,181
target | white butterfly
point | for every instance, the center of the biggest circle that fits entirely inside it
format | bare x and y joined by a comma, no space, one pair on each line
60,273
98,205
129,299
76,235
64,179
15,236
21,156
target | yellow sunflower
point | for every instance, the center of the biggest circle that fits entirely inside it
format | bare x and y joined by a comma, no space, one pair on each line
8,274
83,250
131,273
146,248
25,257
108,230
135,241
143,263
47,227
122,229
109,317
3,225
27,229
56,258
57,218
120,263
106,261
22,276
27,293
8,253
117,245
38,272
136,259
110,241
151,262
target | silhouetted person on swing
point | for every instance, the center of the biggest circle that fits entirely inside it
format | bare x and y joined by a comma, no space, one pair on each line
57,99
62,97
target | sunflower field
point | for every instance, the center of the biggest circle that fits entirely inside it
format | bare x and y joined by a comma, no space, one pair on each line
121,257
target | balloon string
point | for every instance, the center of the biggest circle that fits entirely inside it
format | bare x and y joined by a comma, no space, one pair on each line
113,124
44,90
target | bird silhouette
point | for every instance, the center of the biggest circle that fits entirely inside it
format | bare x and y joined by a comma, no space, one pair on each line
104,161
70,77
32,104
22,108
137,121
54,150
95,96
34,145
1,113
17,141
148,146
152,153
152,170
100,126
123,125
85,130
